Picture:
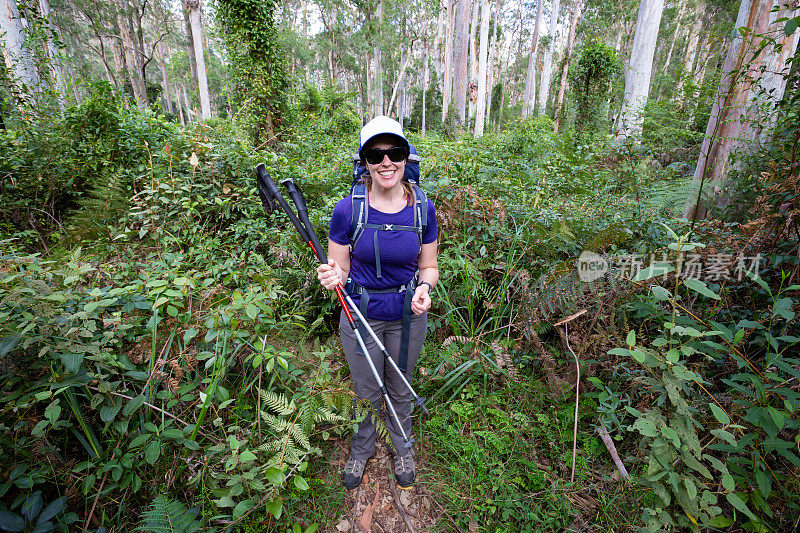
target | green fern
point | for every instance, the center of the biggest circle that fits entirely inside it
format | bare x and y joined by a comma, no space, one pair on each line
107,200
168,516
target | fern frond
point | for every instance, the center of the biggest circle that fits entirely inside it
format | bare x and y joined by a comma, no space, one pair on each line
168,516
277,403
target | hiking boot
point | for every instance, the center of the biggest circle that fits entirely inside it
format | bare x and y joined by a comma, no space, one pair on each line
353,472
404,471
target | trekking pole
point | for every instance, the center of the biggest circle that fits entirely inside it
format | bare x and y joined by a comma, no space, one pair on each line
267,188
302,211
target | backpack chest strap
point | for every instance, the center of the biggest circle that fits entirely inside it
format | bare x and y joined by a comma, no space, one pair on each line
387,227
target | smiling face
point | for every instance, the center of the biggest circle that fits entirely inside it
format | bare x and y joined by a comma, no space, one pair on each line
387,174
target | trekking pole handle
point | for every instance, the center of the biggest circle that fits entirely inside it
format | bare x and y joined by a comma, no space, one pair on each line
272,189
302,212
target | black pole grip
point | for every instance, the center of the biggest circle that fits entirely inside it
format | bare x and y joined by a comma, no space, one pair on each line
302,212
265,181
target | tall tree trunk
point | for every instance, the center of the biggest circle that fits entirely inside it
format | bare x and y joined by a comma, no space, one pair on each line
529,97
193,7
192,60
460,54
16,53
447,92
727,121
547,66
691,54
133,60
180,106
52,52
425,61
483,61
378,69
473,60
576,13
640,67
490,68
162,59
190,113
675,36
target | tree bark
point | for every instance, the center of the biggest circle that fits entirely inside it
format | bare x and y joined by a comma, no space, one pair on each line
191,114
16,53
190,48
133,61
490,68
728,126
547,66
447,92
425,61
378,67
473,60
52,52
483,60
529,97
193,7
460,67
691,54
640,67
576,13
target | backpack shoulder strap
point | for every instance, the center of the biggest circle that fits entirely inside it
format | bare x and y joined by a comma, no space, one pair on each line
358,217
420,211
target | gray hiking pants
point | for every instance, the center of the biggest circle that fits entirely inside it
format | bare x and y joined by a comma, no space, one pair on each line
362,446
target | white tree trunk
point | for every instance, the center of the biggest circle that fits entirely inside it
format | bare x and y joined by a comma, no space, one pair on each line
640,67
447,92
483,61
473,59
193,6
460,55
52,52
378,66
425,61
17,55
547,66
576,13
191,115
691,54
675,35
490,68
529,97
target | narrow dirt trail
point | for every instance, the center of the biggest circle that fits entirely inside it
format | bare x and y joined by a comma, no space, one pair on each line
379,505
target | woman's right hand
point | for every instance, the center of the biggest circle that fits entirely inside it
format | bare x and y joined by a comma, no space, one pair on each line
329,275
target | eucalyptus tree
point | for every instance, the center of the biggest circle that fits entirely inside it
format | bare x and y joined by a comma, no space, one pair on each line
529,97
18,56
193,8
639,69
460,56
547,62
753,82
483,55
576,13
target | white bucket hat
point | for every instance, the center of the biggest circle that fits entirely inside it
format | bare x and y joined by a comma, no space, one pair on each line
381,125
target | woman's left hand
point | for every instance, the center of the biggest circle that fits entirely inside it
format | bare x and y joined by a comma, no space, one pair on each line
421,301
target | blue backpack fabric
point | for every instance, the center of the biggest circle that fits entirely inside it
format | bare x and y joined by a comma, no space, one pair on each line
359,222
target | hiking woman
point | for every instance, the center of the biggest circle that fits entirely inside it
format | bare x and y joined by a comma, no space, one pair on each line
390,271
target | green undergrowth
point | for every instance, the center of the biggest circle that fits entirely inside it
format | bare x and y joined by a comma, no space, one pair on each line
165,348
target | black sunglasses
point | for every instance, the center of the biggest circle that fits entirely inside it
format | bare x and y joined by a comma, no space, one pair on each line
374,156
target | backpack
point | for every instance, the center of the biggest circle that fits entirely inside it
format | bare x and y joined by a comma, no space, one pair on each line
359,222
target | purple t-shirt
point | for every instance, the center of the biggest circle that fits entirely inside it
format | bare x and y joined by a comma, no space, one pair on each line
399,252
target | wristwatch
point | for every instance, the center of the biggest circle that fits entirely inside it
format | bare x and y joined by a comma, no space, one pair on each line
430,287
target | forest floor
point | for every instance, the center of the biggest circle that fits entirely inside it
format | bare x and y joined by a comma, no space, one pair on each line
378,504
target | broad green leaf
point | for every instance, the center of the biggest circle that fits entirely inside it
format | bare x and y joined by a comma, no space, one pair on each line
724,435
247,456
691,489
275,507
300,483
274,475
791,26
133,405
72,361
630,340
108,412
658,269
251,311
225,501
11,522
721,416
764,482
737,502
700,287
242,507
54,508
777,416
172,433
152,452
728,482
721,522
32,505
660,293
140,439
